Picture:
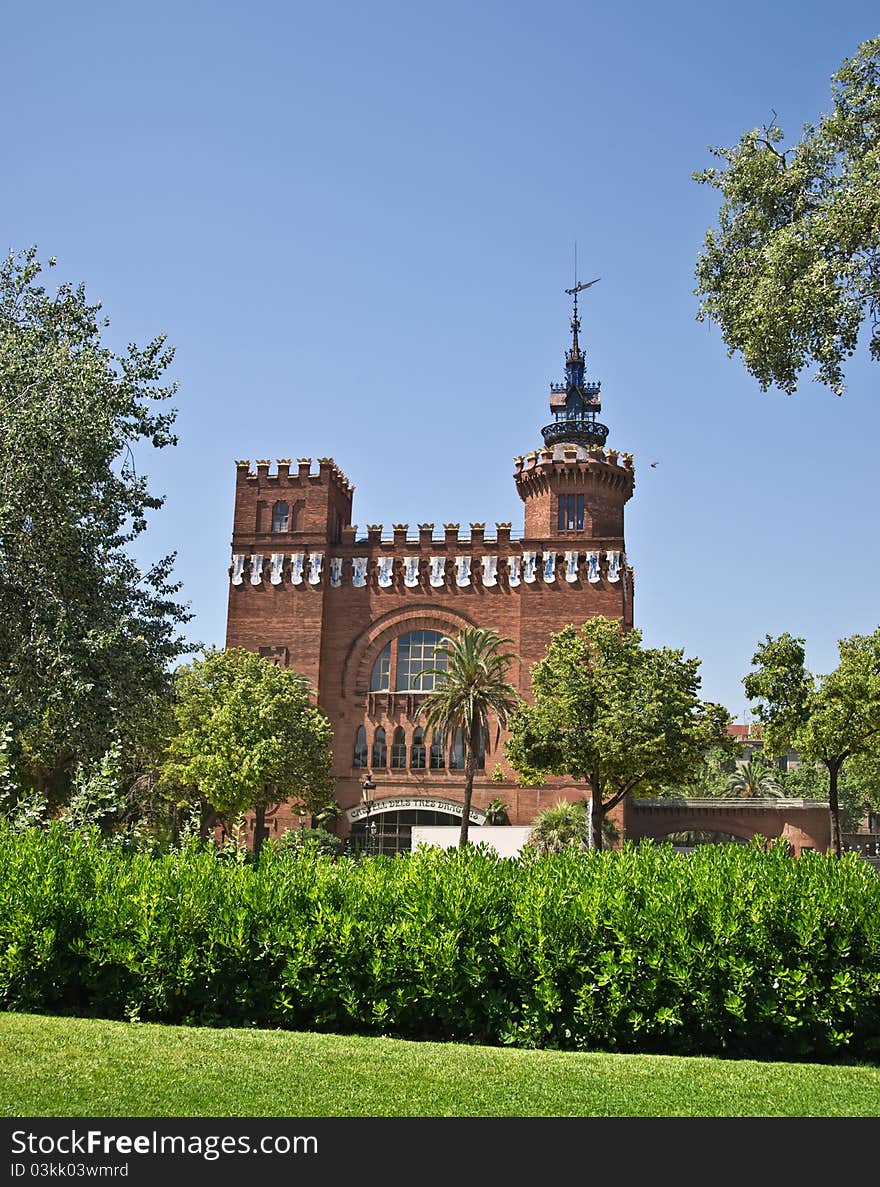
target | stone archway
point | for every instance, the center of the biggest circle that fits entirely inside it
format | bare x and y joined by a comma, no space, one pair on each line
803,823
358,662
387,827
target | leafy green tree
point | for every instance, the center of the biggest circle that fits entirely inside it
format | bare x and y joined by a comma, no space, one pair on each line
793,268
623,718
753,780
472,688
8,786
858,787
712,775
118,792
807,781
248,735
86,637
832,720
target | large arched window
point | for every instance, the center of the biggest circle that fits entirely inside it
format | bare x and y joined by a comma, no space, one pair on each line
417,755
381,673
380,750
415,655
360,747
280,517
398,749
410,655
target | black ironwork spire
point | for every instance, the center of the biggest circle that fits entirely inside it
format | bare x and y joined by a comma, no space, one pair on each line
575,402
574,358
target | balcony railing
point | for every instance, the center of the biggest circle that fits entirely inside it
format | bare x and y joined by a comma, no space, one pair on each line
589,389
580,430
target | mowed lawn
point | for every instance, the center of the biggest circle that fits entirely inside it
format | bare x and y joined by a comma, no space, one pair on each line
73,1067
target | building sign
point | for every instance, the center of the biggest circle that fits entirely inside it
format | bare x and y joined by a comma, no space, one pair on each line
414,803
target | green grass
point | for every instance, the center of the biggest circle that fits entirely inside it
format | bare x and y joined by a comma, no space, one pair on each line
73,1067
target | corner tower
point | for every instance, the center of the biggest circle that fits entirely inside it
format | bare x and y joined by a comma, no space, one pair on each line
575,488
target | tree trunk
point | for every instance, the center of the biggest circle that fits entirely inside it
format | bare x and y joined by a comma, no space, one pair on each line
834,808
470,765
259,828
207,820
597,815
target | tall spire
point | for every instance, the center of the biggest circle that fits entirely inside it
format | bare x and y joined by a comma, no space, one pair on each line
575,354
575,402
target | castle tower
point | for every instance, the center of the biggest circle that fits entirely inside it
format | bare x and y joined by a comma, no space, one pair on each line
285,525
574,490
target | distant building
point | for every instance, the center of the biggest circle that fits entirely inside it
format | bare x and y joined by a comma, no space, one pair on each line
751,739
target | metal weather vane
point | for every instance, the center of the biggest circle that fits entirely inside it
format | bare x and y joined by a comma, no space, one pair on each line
580,286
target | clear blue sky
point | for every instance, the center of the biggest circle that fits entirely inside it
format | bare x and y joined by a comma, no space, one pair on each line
355,222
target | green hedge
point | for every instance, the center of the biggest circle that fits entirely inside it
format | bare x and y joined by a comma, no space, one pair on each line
732,950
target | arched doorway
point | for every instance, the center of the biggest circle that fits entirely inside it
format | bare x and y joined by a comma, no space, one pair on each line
387,828
391,832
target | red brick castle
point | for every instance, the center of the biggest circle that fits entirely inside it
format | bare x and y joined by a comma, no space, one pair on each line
359,614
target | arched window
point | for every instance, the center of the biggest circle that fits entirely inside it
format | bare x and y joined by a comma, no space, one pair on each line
415,654
381,673
456,753
398,749
417,755
280,517
380,750
360,748
438,761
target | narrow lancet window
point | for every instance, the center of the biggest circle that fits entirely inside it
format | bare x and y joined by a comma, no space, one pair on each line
360,747
398,749
380,749
280,517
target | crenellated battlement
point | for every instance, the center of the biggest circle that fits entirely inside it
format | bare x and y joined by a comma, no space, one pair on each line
283,502
574,458
427,535
327,471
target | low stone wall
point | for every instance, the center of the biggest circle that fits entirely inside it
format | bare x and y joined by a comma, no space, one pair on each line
506,839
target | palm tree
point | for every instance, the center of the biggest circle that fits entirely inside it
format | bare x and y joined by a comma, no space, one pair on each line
562,825
471,686
497,812
753,781
568,823
328,816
